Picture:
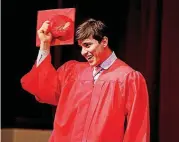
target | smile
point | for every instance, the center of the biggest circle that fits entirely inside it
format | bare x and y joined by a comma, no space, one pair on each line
89,57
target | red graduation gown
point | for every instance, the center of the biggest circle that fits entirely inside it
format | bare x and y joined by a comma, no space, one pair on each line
88,112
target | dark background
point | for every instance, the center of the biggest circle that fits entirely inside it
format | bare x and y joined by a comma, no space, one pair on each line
145,35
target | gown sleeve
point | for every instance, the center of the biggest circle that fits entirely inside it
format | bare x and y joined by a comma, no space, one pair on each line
44,81
137,109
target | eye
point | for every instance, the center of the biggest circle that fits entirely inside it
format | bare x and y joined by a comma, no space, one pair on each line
87,45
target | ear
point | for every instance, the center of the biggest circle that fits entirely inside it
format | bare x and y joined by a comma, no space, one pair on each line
79,42
105,41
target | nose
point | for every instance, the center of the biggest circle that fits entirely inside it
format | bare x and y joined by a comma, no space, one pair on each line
83,51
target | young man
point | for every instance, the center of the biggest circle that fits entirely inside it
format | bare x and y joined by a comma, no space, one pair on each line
101,100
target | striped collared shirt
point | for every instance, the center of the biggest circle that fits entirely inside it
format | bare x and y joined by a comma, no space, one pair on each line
105,65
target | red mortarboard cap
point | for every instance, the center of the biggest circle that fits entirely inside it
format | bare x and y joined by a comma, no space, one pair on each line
61,25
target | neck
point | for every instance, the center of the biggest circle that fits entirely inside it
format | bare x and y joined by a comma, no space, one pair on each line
106,55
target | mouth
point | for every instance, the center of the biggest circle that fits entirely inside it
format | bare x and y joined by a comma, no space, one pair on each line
89,57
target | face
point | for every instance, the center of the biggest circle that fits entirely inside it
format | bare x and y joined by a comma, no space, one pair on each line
93,51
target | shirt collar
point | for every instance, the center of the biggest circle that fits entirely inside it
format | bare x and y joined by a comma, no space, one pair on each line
109,61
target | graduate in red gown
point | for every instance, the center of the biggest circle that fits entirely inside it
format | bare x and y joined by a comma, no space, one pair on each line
101,100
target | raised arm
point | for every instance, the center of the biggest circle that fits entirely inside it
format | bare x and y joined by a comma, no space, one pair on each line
43,80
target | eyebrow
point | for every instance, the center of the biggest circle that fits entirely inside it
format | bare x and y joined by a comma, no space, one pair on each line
86,43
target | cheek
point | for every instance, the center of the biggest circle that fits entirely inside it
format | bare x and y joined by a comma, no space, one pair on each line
94,50
98,51
91,50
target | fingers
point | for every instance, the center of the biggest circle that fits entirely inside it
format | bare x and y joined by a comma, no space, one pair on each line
44,28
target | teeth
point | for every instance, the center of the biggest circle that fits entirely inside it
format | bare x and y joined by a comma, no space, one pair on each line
89,57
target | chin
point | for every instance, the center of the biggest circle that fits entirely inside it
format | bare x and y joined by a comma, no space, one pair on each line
93,64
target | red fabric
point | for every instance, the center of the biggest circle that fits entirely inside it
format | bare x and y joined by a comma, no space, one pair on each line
92,112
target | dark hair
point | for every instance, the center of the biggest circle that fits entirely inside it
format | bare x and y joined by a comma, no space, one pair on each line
91,27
